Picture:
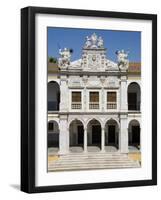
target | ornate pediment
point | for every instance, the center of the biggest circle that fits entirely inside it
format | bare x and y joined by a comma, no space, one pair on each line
93,58
76,65
111,66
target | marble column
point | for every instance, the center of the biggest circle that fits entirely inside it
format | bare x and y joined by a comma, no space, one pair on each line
84,99
63,135
85,140
103,140
123,135
123,94
63,94
85,104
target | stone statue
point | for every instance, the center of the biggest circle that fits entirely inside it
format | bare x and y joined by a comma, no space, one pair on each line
100,42
122,58
88,42
64,60
93,42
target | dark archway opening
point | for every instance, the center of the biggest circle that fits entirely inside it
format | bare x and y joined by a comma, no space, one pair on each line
94,133
134,98
53,94
53,135
134,134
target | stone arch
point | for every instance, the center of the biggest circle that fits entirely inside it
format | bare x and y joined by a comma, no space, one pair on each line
134,135
94,134
79,119
53,135
112,134
76,135
94,118
53,94
111,118
134,96
54,80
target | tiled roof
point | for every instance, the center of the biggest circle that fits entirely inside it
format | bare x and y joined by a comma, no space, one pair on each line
134,67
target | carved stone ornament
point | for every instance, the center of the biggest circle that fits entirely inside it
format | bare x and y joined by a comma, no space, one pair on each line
94,42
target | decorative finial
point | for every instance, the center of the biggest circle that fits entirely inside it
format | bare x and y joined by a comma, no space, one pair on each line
94,42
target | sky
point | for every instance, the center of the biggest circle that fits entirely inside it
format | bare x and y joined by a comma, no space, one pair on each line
74,38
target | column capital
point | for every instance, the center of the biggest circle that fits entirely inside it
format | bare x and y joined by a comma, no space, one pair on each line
85,128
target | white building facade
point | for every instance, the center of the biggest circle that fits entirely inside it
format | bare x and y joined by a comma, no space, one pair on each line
94,103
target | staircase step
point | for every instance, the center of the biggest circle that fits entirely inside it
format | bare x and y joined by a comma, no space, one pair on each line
64,168
80,161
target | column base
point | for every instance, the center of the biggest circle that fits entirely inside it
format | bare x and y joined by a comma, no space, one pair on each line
63,152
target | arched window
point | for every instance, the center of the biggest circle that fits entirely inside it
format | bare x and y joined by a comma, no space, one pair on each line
53,96
134,98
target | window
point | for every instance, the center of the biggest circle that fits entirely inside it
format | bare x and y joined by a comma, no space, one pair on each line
111,100
94,96
94,100
50,126
76,96
76,100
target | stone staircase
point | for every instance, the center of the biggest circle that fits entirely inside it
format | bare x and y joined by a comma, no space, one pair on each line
80,161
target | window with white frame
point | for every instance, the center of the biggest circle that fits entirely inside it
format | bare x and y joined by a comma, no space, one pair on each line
76,100
111,100
93,100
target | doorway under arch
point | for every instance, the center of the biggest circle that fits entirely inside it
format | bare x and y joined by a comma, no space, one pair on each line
134,135
94,135
111,135
53,136
76,134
